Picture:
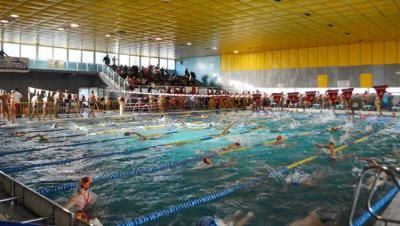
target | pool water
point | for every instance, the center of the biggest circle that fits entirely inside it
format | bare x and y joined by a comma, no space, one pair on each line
273,202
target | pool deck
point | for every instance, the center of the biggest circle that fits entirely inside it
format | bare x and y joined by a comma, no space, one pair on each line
391,212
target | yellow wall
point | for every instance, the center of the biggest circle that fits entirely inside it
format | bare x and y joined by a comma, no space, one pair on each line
384,52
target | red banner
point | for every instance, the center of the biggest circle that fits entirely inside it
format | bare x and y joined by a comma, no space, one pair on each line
276,97
332,94
310,95
293,97
347,93
380,90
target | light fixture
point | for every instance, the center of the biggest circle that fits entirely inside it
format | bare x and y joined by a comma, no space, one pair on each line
235,51
307,14
5,21
74,25
214,48
60,29
158,39
14,16
189,43
108,35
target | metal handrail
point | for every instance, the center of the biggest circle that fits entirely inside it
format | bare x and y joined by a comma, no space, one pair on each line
391,171
115,78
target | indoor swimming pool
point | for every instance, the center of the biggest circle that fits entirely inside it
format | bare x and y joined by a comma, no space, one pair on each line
134,177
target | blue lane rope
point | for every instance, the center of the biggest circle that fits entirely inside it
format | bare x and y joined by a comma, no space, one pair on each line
132,172
58,146
377,206
198,201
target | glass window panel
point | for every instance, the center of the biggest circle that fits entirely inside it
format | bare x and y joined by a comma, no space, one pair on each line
99,57
45,53
11,49
28,51
171,64
87,57
60,54
124,60
74,55
144,61
154,61
163,63
134,60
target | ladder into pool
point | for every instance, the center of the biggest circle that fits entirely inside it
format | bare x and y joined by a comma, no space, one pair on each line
385,210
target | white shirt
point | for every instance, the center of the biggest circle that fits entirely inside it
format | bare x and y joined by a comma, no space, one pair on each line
17,96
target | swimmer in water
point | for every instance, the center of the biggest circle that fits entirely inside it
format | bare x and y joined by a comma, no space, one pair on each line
226,130
317,217
141,137
83,217
207,161
18,134
83,199
42,138
236,221
230,147
334,129
279,140
331,148
304,179
382,178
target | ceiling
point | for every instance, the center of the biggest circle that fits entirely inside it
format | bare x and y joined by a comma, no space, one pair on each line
244,25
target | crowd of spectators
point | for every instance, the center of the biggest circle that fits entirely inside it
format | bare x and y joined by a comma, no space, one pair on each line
152,75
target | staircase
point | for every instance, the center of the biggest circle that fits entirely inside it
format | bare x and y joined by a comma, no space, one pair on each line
114,81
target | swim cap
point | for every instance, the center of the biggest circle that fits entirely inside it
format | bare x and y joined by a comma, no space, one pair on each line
207,221
82,216
86,182
279,137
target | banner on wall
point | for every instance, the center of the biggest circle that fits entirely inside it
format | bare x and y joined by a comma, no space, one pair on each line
380,90
14,64
311,95
332,94
293,97
347,93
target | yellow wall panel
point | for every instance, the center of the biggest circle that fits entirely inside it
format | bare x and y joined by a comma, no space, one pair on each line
285,58
366,53
377,53
276,59
238,62
312,57
398,52
343,55
268,60
366,80
322,56
333,56
354,54
294,58
390,52
322,81
303,58
260,61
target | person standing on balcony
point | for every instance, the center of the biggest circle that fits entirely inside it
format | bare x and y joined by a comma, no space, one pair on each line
106,60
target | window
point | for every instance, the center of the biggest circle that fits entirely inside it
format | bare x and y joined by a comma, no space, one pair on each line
124,60
144,61
99,57
11,50
74,55
60,54
134,60
171,64
28,51
45,53
163,63
154,61
87,57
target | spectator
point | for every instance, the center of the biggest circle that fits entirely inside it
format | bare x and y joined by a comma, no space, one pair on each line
106,60
17,96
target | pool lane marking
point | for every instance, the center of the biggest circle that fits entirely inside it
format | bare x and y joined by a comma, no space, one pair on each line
217,195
